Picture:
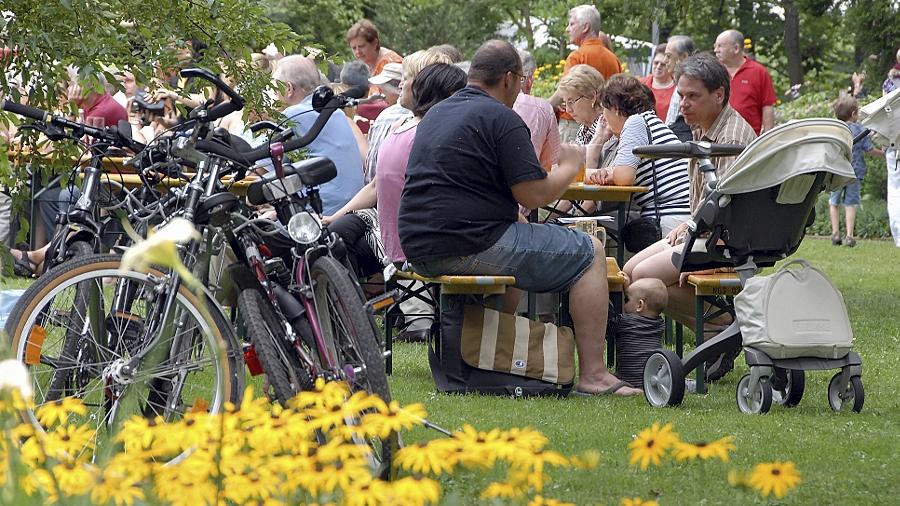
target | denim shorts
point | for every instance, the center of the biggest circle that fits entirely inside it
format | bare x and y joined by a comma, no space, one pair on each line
847,196
542,257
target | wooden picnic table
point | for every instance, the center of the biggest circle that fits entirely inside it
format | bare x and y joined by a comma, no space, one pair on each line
134,181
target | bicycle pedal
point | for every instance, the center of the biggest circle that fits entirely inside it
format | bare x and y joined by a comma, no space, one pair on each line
382,301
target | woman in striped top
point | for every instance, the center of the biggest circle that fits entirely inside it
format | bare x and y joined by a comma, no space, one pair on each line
628,107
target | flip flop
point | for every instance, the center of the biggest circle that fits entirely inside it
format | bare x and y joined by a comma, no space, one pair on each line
607,391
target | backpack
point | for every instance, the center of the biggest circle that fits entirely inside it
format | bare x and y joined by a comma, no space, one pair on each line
467,355
795,312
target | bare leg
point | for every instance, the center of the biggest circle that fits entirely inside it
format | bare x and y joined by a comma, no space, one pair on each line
588,307
835,220
850,214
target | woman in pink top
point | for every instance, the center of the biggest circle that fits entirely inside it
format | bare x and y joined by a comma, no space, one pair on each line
432,84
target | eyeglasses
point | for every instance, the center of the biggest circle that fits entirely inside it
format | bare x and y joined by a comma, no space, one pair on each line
568,104
521,77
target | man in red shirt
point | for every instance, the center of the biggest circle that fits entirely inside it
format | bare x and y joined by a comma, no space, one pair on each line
752,94
584,31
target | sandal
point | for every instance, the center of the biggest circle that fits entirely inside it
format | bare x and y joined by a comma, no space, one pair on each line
23,265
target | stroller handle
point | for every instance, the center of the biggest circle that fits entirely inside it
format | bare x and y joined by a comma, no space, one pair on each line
692,149
862,135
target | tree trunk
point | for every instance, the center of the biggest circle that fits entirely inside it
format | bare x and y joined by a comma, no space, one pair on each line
746,22
792,42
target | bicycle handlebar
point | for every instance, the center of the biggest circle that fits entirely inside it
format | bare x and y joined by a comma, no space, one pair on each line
110,133
223,109
692,149
24,110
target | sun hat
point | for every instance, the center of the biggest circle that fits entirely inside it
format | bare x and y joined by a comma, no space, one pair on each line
390,72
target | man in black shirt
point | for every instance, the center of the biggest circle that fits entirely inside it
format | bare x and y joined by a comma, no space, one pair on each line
471,165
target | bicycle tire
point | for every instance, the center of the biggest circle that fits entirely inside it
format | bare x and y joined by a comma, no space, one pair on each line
286,375
61,383
34,313
351,340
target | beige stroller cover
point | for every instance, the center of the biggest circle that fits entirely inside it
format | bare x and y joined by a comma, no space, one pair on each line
793,151
883,117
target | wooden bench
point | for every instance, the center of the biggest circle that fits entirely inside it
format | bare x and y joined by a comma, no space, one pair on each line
714,297
480,285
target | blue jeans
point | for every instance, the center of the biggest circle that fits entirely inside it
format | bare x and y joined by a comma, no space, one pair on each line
542,257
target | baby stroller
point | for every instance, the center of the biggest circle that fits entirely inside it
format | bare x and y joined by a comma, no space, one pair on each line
883,117
755,216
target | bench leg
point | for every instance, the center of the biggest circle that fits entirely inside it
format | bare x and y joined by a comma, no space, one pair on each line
679,339
701,369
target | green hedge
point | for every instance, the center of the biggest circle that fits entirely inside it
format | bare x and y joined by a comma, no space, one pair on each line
871,219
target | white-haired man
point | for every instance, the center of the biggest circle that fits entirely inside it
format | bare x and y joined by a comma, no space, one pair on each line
584,31
537,113
752,93
299,77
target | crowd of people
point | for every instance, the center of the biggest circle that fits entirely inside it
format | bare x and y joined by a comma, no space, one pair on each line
439,169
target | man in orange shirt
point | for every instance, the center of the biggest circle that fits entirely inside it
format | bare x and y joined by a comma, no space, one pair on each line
584,31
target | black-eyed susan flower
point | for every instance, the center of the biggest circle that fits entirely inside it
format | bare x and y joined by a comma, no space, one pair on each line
637,501
69,439
74,478
392,419
415,490
116,487
718,448
548,501
776,478
435,457
58,411
504,490
651,444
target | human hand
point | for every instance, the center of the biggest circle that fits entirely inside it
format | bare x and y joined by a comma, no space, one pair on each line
328,219
601,177
74,93
163,94
677,234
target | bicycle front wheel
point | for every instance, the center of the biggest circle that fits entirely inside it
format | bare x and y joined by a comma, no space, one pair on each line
112,312
353,349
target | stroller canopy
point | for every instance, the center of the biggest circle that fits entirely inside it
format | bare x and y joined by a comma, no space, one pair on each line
883,117
794,149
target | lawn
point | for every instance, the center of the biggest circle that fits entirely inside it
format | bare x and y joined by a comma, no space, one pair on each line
844,458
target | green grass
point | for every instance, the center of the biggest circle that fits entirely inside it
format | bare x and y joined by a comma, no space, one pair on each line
844,458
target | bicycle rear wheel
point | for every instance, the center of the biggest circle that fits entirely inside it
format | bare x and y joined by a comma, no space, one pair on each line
114,326
355,355
286,375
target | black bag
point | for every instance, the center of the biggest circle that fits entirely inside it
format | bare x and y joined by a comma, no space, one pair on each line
453,375
640,233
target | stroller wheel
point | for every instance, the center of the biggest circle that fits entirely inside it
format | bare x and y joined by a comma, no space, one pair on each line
754,402
663,379
792,391
853,395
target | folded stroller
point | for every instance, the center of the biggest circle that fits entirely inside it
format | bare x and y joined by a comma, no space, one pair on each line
755,216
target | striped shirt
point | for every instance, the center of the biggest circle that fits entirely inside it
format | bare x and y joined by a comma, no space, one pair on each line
728,128
671,191
378,131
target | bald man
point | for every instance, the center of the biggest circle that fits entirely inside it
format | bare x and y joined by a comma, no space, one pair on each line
752,93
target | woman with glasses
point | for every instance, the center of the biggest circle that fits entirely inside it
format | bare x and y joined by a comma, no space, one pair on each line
661,81
580,93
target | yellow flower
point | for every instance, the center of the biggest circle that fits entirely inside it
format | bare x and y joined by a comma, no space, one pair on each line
504,490
776,478
40,480
719,448
589,460
394,419
114,486
435,457
637,501
161,249
651,444
69,440
74,479
414,490
738,478
547,501
58,411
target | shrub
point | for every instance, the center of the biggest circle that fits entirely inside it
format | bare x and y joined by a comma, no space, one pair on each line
871,219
